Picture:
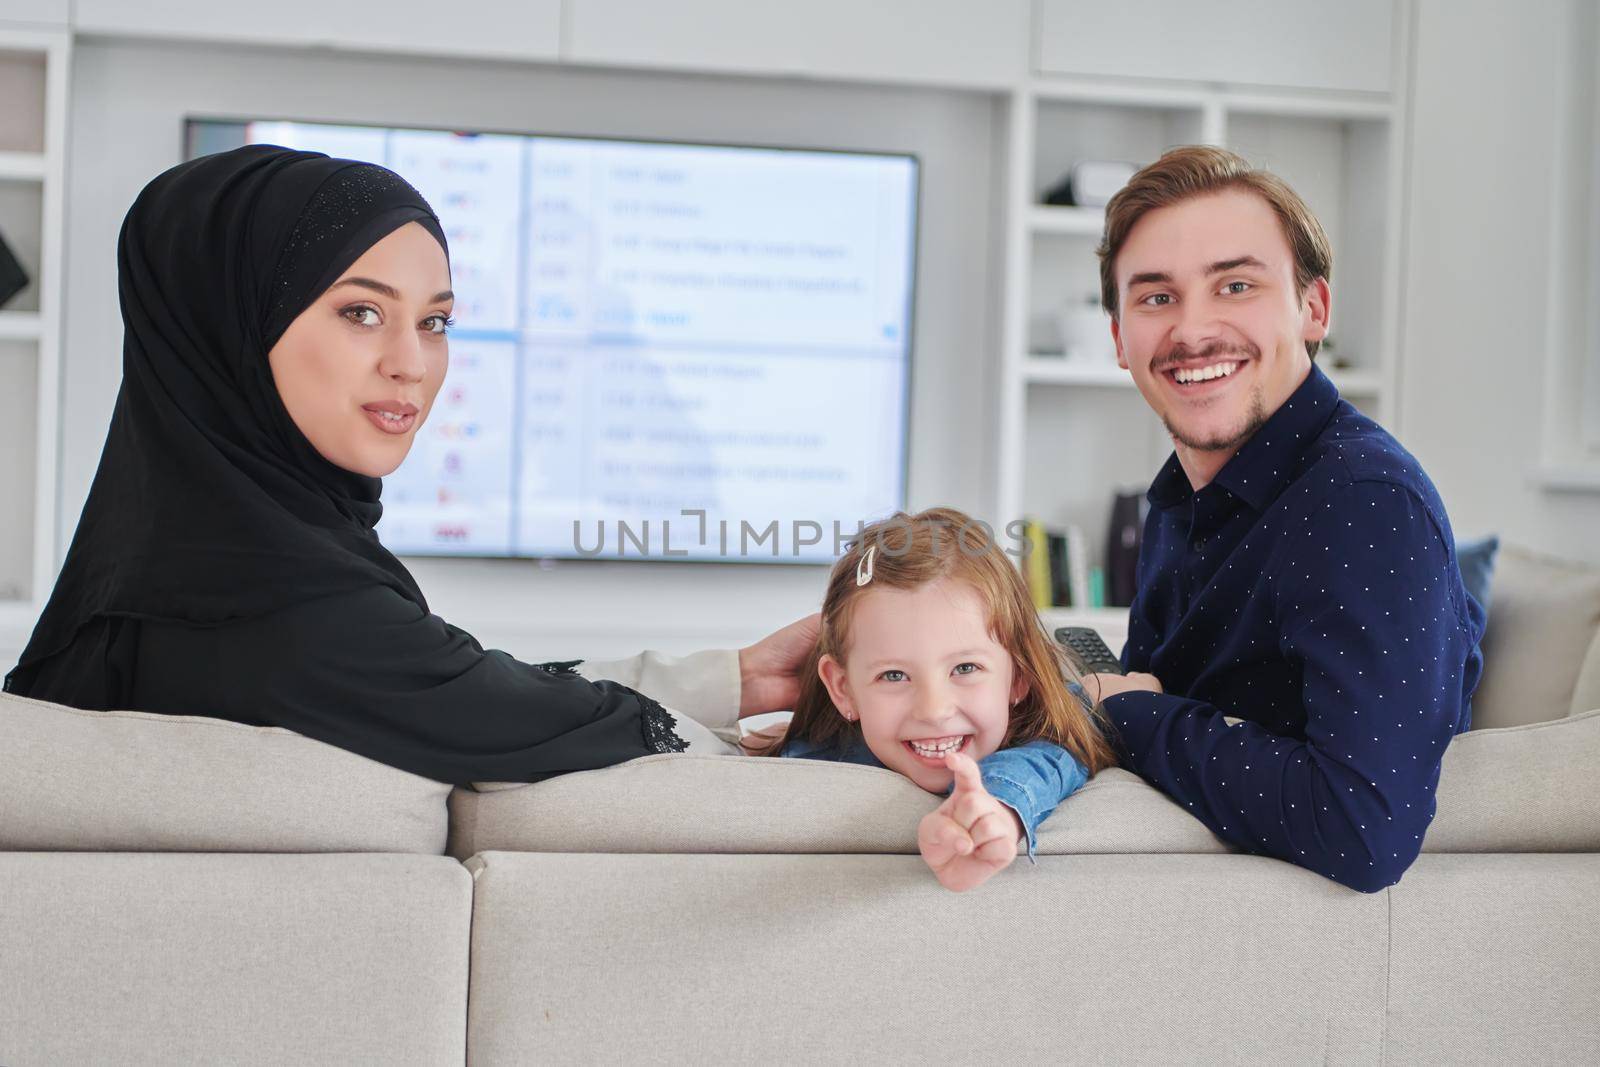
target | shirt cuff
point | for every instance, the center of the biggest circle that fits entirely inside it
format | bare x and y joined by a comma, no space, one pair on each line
1015,797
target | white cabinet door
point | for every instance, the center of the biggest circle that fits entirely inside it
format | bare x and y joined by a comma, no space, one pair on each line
1309,44
510,29
34,12
935,42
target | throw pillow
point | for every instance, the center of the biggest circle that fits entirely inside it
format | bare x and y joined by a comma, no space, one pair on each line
1476,560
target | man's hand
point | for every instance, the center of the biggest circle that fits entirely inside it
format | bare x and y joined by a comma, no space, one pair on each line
1101,686
769,670
971,835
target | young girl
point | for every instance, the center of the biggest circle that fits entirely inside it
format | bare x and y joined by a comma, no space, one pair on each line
931,661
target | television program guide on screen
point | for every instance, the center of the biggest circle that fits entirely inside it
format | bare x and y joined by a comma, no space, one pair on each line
645,328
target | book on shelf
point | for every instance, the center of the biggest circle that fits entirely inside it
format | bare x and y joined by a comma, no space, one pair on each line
1078,569
1060,587
1057,566
1036,563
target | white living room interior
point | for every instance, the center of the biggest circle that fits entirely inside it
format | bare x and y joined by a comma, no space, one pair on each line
1451,148
1448,147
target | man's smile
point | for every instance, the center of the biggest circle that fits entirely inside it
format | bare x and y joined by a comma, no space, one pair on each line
1203,379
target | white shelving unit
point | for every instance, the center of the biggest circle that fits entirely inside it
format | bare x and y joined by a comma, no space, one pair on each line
1074,430
33,84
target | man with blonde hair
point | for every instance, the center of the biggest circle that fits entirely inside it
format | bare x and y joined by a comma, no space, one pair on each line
1300,648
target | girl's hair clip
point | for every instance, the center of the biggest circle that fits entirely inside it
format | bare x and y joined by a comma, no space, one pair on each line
864,568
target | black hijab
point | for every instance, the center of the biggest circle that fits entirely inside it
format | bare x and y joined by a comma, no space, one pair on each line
209,505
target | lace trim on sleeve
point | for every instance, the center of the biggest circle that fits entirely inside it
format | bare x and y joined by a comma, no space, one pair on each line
656,722
659,723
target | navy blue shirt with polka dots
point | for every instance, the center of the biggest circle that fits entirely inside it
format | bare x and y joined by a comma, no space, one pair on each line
1310,591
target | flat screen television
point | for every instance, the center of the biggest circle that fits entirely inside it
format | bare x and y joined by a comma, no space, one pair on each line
646,329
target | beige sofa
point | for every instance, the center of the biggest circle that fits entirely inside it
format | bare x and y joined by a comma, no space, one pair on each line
184,890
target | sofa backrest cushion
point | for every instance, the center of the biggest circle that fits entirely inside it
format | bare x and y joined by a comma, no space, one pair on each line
1546,614
1586,693
688,803
132,781
1518,789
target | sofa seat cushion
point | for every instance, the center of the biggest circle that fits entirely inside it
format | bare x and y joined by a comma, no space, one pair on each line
1494,960
1526,789
867,959
132,781
136,958
1545,618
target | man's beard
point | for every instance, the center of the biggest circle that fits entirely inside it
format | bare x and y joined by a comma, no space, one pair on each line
1255,418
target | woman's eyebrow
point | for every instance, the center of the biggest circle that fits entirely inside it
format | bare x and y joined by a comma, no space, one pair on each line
388,290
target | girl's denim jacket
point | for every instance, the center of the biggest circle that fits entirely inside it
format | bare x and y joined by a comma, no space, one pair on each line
1030,779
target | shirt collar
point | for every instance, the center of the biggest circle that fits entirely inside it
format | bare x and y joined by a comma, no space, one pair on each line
1264,464
1171,484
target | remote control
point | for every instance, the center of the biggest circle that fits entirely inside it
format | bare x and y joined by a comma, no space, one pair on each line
1090,651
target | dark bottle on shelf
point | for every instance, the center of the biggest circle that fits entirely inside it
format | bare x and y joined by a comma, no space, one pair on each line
1122,547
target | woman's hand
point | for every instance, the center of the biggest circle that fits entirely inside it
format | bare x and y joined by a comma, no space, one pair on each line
769,670
971,835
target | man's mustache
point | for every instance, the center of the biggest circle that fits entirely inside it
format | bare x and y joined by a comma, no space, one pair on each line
1172,357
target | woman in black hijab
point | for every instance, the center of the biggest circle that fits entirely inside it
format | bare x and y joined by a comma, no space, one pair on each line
225,562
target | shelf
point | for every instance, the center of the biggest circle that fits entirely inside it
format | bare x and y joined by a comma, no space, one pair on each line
34,92
1355,382
21,166
1572,477
20,326
1340,107
1114,620
1134,92
1070,221
1058,370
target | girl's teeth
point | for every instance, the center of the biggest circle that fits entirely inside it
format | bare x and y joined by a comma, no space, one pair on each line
939,749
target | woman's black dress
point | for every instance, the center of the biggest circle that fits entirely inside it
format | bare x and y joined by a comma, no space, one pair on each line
223,567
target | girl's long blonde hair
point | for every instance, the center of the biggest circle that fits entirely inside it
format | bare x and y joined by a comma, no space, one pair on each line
908,552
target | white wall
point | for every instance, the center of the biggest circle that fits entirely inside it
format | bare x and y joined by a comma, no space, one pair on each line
1485,240
128,103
